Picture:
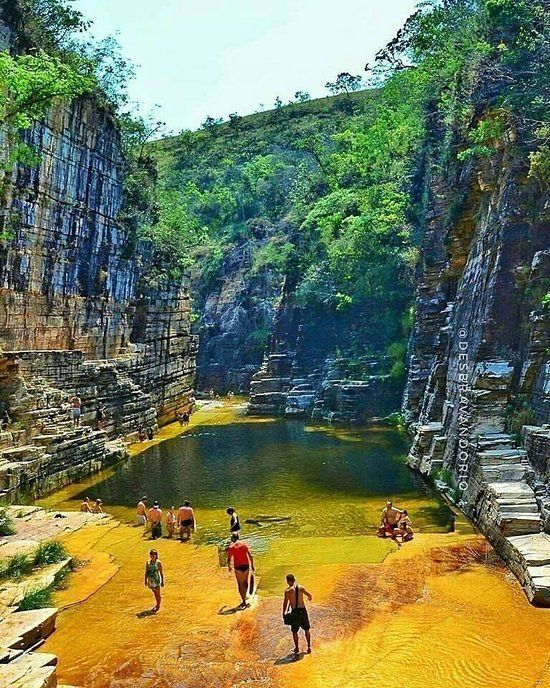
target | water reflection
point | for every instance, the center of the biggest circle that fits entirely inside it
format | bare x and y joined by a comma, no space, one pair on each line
327,483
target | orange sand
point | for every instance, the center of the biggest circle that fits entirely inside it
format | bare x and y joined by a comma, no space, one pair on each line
433,614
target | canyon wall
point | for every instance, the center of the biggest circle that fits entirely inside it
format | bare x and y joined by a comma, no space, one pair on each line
77,312
237,312
479,354
309,370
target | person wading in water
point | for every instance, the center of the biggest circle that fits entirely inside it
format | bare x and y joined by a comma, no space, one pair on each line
294,611
155,519
239,553
141,511
186,520
154,577
171,520
234,523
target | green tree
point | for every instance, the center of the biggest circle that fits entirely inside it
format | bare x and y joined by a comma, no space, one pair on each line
29,86
344,83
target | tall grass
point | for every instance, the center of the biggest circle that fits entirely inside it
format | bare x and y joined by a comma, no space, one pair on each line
21,565
37,598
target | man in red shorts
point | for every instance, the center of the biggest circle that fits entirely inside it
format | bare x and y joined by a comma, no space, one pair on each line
390,519
239,553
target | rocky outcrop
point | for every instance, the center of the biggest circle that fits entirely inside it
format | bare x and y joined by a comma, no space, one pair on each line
236,314
478,356
77,312
342,391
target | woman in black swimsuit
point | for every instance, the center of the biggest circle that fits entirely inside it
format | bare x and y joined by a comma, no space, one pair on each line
234,523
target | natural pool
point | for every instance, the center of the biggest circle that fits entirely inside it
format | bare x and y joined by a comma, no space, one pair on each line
421,616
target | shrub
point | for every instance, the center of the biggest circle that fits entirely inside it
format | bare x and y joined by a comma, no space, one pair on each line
50,553
37,598
23,564
6,524
15,567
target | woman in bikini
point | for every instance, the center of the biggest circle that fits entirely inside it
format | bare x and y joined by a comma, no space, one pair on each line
239,553
404,527
154,577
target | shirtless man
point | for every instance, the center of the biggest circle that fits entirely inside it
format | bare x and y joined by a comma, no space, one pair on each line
142,511
85,507
155,517
186,521
97,508
294,600
76,407
239,553
389,521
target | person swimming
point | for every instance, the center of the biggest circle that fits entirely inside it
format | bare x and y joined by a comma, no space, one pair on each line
154,577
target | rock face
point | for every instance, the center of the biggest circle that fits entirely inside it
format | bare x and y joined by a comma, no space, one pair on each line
236,315
479,355
76,313
303,376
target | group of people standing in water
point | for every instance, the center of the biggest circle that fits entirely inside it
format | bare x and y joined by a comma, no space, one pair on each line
239,560
181,522
394,523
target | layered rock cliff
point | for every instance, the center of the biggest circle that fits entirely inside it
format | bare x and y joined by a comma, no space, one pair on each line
77,313
479,354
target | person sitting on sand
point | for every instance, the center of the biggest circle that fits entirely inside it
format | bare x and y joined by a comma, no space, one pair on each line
389,521
404,527
97,508
234,523
155,518
86,507
294,611
186,520
142,511
154,577
239,553
171,520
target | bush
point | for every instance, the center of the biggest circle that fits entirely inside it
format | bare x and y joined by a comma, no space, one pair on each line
49,553
16,567
6,524
23,564
398,371
37,598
